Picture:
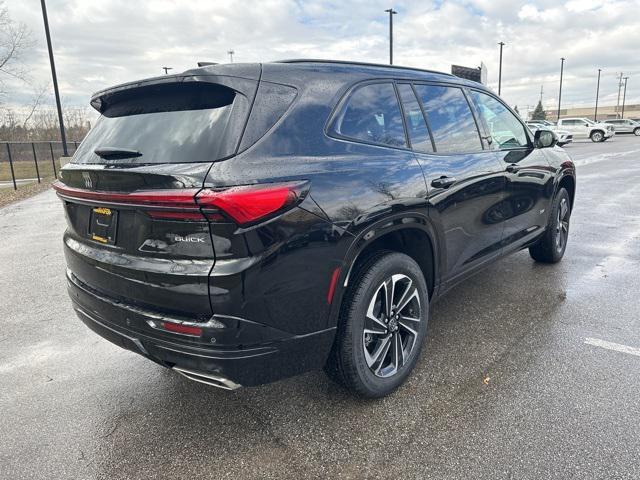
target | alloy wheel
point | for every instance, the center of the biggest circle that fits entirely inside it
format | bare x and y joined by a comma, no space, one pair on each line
596,137
391,325
562,224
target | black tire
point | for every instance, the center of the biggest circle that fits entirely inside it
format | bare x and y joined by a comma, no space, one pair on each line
597,136
636,132
551,247
353,349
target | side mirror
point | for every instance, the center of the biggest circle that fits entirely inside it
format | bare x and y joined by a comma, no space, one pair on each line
544,139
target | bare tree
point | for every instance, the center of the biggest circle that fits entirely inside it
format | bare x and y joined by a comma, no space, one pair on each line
38,97
15,39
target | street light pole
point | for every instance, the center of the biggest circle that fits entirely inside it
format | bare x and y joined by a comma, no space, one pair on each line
624,97
502,44
560,94
391,13
63,137
231,52
166,70
618,102
595,114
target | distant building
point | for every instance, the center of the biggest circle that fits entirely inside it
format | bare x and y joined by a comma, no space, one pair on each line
478,74
604,112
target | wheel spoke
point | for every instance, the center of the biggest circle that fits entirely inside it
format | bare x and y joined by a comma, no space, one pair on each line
409,319
400,350
375,332
383,347
370,311
565,226
383,354
405,293
408,329
404,301
394,355
388,287
563,209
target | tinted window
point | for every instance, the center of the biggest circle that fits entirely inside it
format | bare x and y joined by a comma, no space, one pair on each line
186,122
452,125
416,126
372,114
505,129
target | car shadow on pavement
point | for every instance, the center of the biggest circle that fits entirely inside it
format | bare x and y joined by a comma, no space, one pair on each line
481,337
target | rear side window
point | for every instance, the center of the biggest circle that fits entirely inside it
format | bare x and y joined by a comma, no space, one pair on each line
416,126
452,124
372,114
168,123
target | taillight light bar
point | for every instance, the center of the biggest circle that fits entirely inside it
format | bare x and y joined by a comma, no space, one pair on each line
249,204
245,205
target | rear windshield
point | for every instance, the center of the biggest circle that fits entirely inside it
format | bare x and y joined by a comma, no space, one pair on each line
169,123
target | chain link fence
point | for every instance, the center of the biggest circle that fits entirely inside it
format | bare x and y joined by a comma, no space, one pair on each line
22,163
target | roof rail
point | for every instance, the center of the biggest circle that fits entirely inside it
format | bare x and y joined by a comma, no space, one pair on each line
365,64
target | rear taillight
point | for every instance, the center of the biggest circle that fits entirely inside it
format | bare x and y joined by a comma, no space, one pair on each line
252,203
244,205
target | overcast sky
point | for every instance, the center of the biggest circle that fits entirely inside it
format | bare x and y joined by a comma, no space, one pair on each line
101,43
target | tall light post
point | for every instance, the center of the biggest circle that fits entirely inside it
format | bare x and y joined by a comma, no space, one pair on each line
63,137
619,89
624,96
231,52
391,13
166,70
595,114
560,94
502,44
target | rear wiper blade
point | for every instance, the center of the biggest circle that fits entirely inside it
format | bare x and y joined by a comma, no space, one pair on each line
116,153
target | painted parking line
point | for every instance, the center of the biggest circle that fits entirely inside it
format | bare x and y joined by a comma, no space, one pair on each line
612,346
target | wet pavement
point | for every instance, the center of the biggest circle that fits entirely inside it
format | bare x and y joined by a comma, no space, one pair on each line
506,386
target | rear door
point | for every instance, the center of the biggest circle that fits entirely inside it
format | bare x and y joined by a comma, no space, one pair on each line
576,127
135,232
529,185
465,182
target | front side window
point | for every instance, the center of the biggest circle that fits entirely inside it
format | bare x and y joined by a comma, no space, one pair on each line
505,129
372,114
452,124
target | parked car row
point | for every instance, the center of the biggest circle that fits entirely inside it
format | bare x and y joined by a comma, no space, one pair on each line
569,128
563,137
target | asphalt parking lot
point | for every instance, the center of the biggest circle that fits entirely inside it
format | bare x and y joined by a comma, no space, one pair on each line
514,381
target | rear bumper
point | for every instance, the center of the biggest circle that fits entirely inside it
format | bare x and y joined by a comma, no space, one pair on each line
234,351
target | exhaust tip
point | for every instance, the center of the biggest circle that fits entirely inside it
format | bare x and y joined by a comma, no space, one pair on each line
208,379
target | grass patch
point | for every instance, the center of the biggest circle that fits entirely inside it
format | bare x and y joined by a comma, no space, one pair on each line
9,195
25,169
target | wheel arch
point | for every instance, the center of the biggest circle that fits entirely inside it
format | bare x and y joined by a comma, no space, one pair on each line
409,234
569,183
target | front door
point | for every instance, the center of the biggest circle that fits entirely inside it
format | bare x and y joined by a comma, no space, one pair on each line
529,180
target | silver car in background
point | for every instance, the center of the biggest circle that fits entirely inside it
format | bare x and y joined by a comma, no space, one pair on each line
624,125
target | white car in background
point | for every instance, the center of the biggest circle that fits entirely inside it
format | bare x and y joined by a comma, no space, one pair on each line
563,137
624,125
585,128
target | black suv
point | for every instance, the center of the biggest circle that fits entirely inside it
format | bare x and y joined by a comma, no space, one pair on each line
247,222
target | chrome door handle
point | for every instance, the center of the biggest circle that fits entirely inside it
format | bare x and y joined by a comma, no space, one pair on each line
513,168
443,182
